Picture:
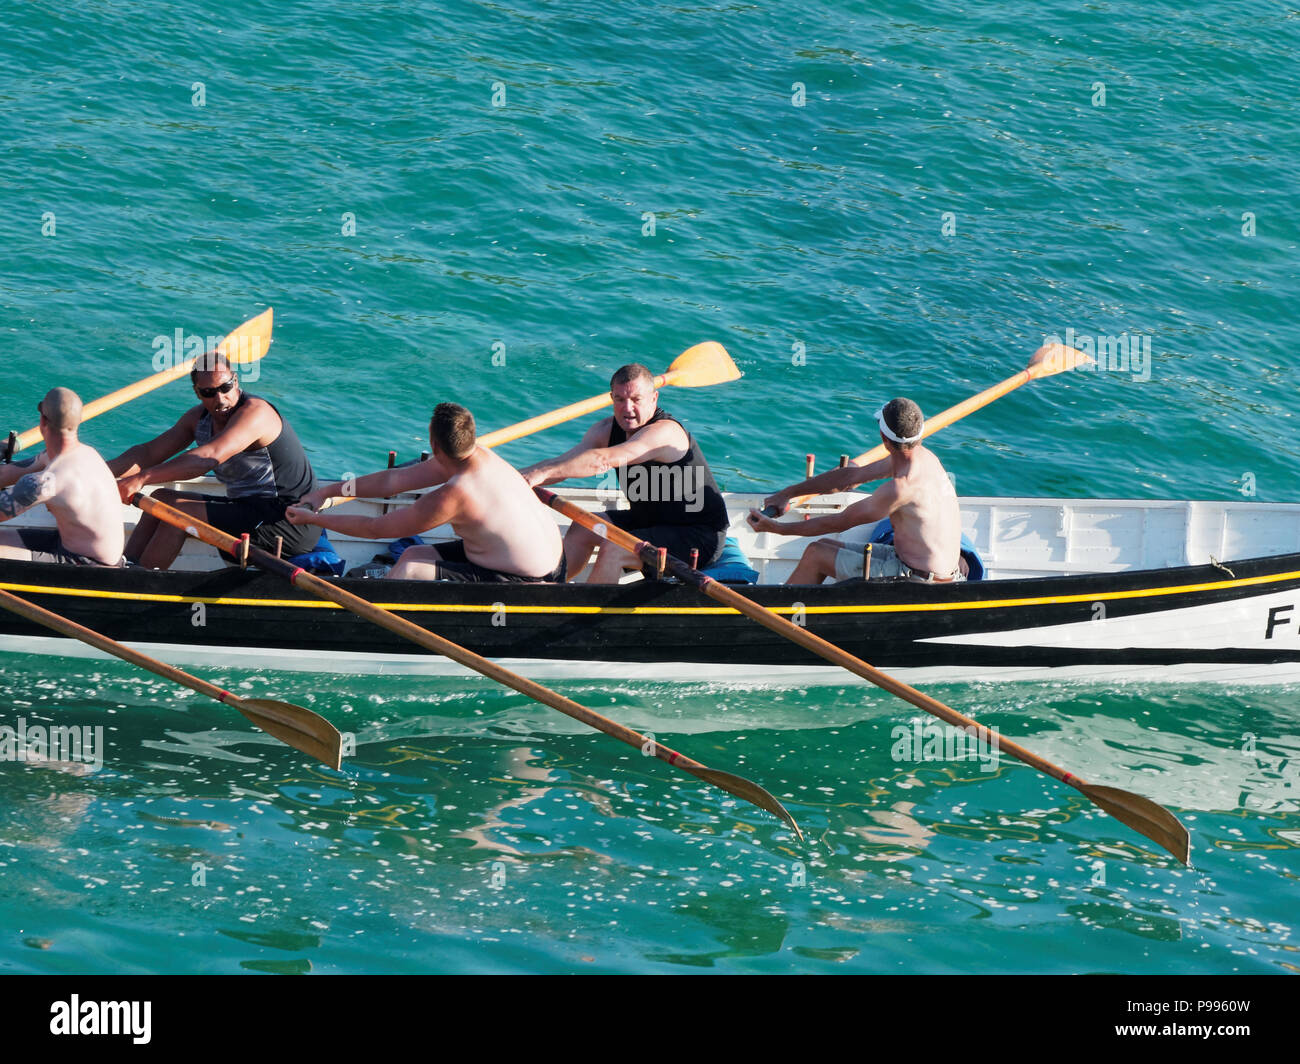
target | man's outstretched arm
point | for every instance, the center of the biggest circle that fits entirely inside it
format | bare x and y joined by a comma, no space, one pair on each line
875,507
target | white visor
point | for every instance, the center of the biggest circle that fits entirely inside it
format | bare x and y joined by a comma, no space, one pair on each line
889,433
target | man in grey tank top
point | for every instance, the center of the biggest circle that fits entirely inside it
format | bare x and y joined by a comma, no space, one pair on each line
246,444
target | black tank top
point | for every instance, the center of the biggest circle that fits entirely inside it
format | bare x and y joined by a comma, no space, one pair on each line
279,471
671,493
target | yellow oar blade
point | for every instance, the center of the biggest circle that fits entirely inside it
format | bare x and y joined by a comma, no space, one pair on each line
696,367
1046,361
1143,815
1139,813
701,366
1055,358
250,341
300,728
297,727
746,789
246,344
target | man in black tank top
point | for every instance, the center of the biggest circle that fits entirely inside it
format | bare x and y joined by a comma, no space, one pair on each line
250,448
675,502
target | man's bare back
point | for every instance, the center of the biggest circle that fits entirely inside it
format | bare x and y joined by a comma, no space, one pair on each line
73,482
506,534
502,523
85,504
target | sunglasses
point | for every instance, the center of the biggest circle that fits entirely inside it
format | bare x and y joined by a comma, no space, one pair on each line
222,388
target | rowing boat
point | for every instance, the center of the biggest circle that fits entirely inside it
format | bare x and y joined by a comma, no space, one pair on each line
1089,590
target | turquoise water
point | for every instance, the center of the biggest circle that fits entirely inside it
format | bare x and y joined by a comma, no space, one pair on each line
953,189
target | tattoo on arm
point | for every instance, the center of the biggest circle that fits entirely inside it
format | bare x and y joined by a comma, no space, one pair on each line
32,489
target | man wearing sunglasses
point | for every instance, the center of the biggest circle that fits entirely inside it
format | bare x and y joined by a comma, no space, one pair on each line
73,483
246,444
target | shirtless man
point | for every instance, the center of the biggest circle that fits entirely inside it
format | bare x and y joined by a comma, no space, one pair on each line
506,534
246,444
675,502
72,480
919,501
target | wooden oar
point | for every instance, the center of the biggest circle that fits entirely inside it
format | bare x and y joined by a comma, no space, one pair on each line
1141,814
697,367
300,728
1046,362
726,781
245,345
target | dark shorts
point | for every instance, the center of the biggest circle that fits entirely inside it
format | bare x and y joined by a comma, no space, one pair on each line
45,545
263,519
453,565
677,539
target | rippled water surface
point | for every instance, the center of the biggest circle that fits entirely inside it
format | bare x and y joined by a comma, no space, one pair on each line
857,204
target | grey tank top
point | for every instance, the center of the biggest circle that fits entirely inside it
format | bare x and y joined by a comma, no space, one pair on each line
278,471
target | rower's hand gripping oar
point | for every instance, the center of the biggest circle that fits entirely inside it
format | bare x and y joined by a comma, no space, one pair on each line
1046,362
245,345
298,727
726,781
1141,814
700,366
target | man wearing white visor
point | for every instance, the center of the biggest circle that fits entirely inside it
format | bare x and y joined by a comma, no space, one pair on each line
918,499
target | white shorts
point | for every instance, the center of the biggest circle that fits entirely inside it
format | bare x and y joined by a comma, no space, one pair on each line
848,560
885,563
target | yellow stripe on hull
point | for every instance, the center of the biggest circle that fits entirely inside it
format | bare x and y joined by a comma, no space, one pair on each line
421,607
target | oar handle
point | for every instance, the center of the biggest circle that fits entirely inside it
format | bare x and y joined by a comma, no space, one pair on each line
544,421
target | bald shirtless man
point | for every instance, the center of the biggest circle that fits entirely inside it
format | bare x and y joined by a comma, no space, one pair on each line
507,535
919,501
74,482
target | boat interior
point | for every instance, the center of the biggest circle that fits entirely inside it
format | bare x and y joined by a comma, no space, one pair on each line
1014,538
